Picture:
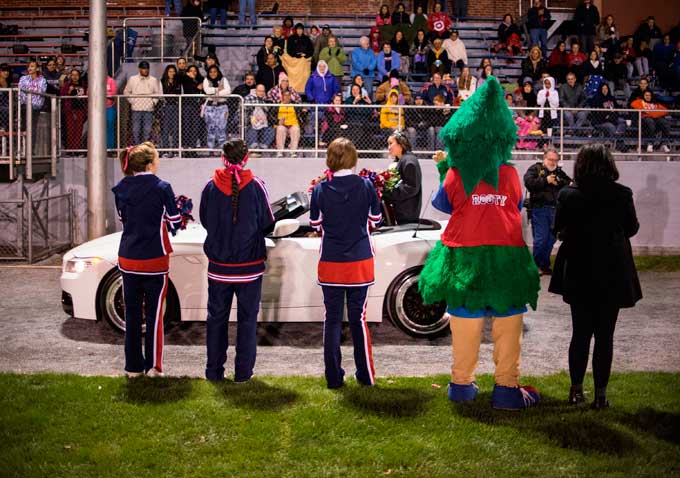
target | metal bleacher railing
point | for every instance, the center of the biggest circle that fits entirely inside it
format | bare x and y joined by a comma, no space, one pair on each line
189,126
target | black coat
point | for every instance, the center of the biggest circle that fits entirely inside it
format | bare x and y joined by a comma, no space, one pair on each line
587,19
595,259
300,45
407,196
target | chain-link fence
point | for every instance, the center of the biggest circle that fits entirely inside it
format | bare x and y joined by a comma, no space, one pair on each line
195,125
35,228
161,38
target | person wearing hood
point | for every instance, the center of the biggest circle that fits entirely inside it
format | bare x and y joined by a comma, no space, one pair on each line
609,121
236,215
275,95
299,45
216,110
146,206
376,39
335,56
269,75
393,82
407,196
364,62
455,50
390,117
548,97
594,269
344,206
321,85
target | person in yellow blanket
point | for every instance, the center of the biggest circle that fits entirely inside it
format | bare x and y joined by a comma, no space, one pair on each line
288,125
391,118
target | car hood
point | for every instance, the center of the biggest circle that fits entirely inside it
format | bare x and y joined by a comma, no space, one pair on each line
106,247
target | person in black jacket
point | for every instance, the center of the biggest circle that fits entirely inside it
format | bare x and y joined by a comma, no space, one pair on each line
236,214
544,181
538,22
594,270
300,45
407,196
269,75
192,14
193,127
587,18
172,85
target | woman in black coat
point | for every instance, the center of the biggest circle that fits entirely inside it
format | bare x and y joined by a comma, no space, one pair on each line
594,270
299,45
407,196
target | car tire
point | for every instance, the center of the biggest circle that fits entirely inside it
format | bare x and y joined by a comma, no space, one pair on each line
110,305
406,310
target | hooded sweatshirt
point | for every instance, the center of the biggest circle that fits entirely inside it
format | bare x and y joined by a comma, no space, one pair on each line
236,252
344,208
146,207
321,88
552,98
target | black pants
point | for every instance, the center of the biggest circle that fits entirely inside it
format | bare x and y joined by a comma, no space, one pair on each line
588,319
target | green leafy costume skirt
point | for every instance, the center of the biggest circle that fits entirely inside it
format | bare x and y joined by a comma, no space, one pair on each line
496,277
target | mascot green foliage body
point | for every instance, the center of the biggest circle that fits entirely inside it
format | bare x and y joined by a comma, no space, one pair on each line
481,266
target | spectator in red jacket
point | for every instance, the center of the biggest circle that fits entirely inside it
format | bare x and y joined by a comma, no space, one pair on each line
438,22
75,110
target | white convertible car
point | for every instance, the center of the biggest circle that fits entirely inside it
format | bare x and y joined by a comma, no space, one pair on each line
91,282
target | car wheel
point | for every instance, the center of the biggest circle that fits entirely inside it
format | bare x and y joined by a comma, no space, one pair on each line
406,310
112,307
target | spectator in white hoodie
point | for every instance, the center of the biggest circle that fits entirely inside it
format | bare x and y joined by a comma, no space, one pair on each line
455,50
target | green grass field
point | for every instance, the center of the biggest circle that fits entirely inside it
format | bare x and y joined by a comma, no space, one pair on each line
72,426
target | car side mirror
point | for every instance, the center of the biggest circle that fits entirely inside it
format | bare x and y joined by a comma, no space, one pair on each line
285,227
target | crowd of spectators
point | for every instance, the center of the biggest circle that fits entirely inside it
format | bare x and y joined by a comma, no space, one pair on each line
595,68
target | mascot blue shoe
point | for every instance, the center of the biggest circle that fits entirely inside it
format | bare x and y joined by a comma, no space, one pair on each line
462,393
514,398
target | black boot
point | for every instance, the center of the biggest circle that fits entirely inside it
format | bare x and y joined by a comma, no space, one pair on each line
600,401
576,395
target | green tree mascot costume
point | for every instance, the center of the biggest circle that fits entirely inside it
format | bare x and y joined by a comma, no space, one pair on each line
481,266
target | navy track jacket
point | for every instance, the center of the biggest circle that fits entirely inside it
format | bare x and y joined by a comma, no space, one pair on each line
343,209
236,252
146,206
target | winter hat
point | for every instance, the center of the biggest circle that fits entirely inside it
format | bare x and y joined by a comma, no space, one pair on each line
282,76
479,137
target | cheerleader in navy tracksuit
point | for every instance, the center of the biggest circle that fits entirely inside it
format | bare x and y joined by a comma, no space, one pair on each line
146,207
343,208
236,213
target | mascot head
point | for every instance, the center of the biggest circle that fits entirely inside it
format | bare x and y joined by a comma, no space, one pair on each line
479,137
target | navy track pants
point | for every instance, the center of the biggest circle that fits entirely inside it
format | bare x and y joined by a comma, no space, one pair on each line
334,302
144,296
220,296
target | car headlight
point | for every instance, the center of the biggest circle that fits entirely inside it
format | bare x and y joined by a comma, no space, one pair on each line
79,264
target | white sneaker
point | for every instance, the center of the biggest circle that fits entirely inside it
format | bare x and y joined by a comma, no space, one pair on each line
650,148
254,146
294,155
665,148
133,374
279,154
154,373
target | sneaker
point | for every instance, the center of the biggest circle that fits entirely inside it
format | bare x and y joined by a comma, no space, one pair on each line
254,154
514,398
665,148
254,146
154,372
133,374
576,396
293,155
279,154
650,148
463,393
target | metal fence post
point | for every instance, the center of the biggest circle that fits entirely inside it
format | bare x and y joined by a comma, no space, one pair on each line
179,127
53,134
11,135
117,124
29,208
640,133
243,119
561,132
29,136
316,131
162,39
72,216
